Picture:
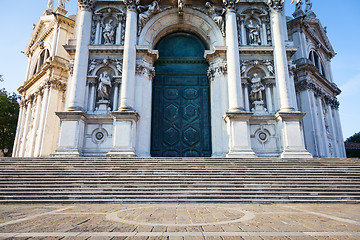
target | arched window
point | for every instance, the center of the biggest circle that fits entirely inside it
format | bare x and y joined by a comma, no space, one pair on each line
40,61
316,61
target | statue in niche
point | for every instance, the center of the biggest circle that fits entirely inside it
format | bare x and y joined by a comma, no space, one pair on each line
145,12
108,32
256,89
254,33
216,13
62,3
104,86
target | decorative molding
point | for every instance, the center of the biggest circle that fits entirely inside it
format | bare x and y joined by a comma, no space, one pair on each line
276,5
230,4
220,69
318,92
142,69
131,4
245,65
86,5
94,63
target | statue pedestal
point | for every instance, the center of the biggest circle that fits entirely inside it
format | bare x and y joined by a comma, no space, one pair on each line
259,108
103,108
124,134
239,135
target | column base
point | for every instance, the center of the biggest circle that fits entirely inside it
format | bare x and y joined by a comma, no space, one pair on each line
241,154
118,154
296,154
239,135
66,154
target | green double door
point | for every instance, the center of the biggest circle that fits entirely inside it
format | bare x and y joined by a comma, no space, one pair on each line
181,99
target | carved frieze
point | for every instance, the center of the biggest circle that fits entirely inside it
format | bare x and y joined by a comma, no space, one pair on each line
220,69
95,63
318,92
247,64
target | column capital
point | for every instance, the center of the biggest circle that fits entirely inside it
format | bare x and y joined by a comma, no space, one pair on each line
230,4
276,5
86,5
131,4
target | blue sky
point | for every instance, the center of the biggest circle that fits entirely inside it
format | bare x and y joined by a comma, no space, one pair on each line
341,18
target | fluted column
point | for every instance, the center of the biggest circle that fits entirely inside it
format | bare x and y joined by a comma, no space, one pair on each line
236,103
26,127
78,81
35,125
281,63
18,129
44,106
129,61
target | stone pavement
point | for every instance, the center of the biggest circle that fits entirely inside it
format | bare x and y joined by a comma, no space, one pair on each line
180,221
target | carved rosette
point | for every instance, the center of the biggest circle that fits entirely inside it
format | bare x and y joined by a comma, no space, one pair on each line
276,5
131,4
86,5
230,4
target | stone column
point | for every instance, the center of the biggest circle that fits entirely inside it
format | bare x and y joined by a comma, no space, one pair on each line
281,63
92,93
35,126
55,39
236,103
339,133
333,131
129,61
18,129
43,113
323,132
98,33
26,126
78,82
246,96
237,118
243,30
263,28
269,103
292,138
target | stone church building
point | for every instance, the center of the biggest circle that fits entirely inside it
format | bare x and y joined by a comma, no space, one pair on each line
179,78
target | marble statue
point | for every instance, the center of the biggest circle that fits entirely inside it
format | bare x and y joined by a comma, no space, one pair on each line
104,86
92,65
62,3
50,5
108,32
254,33
145,12
256,88
216,13
181,4
269,66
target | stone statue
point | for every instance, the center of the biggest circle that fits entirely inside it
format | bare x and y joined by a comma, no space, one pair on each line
92,65
254,33
308,10
62,3
256,88
50,5
146,12
108,32
269,66
181,6
119,66
104,86
216,13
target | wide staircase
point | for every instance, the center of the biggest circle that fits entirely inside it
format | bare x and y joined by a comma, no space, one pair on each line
177,180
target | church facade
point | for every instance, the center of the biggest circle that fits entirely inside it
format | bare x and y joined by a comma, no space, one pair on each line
183,78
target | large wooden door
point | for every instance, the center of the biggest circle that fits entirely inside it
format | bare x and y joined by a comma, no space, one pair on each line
181,99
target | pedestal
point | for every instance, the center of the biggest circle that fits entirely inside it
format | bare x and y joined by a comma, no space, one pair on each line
259,108
71,134
124,134
103,107
292,136
239,135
